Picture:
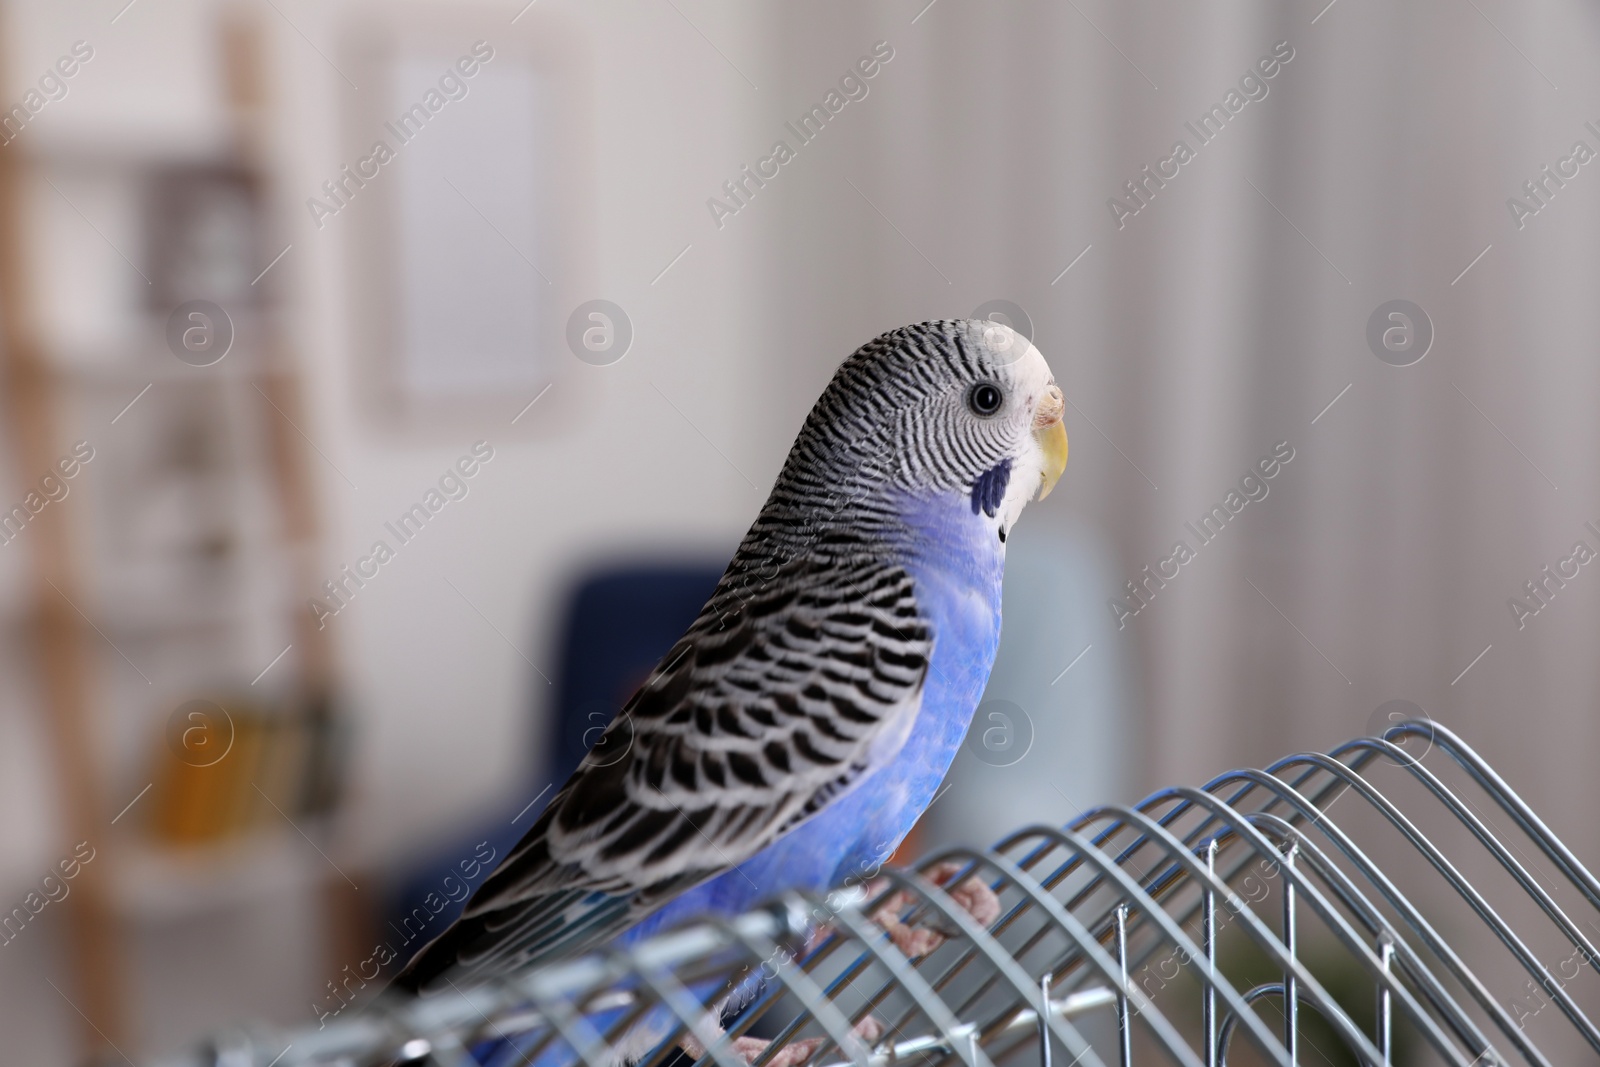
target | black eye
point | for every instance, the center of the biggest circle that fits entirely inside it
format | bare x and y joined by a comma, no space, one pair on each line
985,399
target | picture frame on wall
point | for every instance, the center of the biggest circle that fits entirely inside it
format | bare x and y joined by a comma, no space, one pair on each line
463,195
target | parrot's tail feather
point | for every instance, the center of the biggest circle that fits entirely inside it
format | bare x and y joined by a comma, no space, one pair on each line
522,934
635,1043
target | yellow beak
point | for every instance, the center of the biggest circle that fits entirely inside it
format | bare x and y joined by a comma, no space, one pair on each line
1051,434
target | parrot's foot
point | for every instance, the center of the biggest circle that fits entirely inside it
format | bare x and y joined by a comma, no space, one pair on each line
795,1053
973,896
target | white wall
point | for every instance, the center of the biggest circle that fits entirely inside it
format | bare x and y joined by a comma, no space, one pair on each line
601,464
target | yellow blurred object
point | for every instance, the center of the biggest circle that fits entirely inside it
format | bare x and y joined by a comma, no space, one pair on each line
204,797
226,765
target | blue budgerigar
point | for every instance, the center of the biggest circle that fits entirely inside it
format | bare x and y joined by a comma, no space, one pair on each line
792,737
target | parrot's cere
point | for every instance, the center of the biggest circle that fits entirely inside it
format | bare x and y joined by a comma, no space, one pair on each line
793,736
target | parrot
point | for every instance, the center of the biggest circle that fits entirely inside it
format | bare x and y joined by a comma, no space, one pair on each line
796,732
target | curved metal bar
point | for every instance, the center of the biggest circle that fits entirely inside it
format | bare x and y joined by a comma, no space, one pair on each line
1398,900
916,987
864,960
1171,875
1263,1037
1097,956
675,996
986,983
839,1029
576,1030
1162,879
1181,806
1225,1035
972,952
1485,836
1115,890
1292,967
997,956
1284,951
1337,923
1474,899
853,970
664,1050
1356,901
1074,858
1149,883
1003,923
1116,825
1215,785
1152,883
507,997
1491,782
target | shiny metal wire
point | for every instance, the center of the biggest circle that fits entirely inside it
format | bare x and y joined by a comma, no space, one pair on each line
1392,898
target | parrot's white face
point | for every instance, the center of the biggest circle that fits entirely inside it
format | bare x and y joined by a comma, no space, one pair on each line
985,422
1033,406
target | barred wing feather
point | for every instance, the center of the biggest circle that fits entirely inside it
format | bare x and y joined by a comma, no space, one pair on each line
782,695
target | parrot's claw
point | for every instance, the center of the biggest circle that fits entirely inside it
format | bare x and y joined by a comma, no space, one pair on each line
973,896
793,1054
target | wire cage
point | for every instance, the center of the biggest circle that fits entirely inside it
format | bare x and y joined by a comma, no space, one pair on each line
1243,922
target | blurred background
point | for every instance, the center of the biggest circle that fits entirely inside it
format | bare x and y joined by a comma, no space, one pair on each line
384,387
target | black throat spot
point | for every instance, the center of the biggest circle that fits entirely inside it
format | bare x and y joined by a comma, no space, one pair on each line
990,488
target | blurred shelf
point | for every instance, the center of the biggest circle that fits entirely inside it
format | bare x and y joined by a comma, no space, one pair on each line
111,149
152,615
158,882
168,619
141,363
140,372
147,606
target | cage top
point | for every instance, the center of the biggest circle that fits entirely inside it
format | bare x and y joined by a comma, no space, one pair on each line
1348,907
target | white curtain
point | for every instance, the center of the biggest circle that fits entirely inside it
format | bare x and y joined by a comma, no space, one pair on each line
1223,318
